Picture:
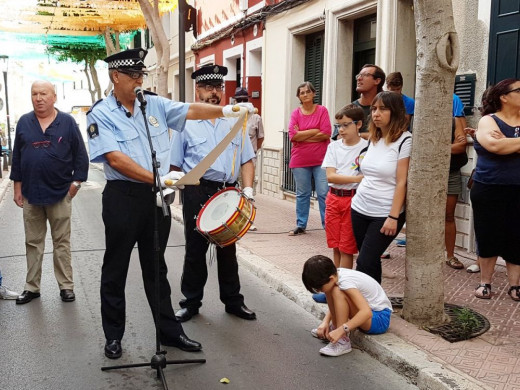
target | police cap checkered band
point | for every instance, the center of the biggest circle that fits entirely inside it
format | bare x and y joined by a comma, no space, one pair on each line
128,59
210,74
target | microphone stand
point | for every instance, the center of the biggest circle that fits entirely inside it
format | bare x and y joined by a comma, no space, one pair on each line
158,361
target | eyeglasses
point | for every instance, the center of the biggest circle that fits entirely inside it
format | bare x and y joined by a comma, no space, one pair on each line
339,126
241,100
363,75
517,90
134,75
42,144
210,88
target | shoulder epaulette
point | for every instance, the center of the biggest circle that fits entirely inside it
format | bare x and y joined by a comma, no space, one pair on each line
149,92
94,105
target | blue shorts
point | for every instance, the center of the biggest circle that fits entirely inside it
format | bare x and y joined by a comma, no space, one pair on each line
380,321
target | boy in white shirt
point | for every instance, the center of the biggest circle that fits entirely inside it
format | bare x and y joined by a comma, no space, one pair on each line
342,167
355,300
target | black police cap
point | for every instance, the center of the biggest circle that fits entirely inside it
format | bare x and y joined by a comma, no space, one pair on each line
210,74
131,59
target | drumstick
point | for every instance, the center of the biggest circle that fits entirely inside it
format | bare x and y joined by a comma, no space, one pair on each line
171,183
236,108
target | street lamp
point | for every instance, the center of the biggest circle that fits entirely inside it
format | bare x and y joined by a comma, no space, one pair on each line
5,65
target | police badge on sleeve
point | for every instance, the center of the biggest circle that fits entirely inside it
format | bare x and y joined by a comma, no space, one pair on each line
93,131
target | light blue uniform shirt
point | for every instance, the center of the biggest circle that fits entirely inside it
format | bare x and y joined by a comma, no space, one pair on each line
116,132
200,137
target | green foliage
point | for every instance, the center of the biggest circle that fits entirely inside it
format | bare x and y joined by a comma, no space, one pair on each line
77,51
466,321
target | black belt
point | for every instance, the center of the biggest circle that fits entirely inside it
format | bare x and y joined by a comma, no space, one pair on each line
340,192
131,188
216,184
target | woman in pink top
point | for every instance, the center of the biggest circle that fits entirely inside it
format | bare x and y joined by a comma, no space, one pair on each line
309,132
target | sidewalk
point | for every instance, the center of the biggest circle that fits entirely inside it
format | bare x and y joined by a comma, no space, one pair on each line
491,361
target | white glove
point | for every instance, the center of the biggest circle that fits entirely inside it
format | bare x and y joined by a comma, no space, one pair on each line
170,178
248,192
234,110
169,197
248,106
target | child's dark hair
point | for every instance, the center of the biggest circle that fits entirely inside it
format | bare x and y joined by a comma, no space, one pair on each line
317,271
352,111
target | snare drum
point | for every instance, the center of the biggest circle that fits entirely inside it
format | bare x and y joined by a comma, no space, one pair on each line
226,217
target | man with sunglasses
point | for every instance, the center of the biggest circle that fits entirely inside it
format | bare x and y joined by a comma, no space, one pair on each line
49,163
118,139
189,147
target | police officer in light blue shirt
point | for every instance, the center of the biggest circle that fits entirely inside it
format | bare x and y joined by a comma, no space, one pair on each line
117,138
188,149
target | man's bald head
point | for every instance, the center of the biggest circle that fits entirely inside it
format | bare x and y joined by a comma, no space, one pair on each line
43,96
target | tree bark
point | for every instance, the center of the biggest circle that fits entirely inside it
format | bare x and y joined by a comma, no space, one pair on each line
87,74
95,79
437,63
162,45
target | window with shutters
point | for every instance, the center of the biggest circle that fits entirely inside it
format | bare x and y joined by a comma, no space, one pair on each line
504,41
314,62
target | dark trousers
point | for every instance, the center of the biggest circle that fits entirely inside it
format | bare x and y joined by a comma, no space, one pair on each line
128,218
371,242
195,273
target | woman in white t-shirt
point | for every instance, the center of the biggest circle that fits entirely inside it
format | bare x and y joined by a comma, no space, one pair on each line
378,207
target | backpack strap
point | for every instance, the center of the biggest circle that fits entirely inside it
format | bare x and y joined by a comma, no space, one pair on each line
402,142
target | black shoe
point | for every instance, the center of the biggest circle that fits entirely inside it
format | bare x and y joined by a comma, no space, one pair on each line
186,313
297,231
67,295
26,297
183,342
113,349
241,311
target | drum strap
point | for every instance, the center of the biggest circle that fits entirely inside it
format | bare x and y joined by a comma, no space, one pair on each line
244,128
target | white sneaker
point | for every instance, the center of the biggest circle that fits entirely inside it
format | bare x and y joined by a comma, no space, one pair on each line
7,294
337,349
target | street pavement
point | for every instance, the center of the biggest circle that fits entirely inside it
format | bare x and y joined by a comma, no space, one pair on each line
490,361
51,345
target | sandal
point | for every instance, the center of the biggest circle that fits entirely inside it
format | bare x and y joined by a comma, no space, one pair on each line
473,269
486,291
517,289
297,231
454,263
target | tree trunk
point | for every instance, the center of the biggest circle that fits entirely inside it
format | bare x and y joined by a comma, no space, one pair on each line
437,62
95,79
111,49
162,46
87,74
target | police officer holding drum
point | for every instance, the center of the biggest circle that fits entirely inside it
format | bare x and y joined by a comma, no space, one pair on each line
118,139
189,147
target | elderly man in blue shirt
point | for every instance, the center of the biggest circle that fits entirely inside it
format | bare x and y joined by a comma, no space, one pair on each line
188,149
118,139
49,163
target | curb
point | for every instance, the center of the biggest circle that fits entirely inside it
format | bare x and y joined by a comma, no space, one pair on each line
420,368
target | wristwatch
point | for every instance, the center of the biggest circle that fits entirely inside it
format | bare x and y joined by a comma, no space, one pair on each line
346,329
77,184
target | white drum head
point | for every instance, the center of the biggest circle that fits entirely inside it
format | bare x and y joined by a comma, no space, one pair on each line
219,210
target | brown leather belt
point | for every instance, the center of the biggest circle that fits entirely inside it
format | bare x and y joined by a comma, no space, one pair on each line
340,192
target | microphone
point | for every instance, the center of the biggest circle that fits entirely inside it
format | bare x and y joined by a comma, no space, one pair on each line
140,95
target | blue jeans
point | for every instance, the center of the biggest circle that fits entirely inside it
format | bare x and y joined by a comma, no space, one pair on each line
302,177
